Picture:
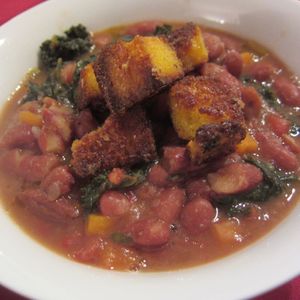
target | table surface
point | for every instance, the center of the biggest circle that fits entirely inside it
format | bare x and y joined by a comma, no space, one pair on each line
288,291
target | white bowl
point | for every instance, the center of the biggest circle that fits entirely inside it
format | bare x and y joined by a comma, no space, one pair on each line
32,270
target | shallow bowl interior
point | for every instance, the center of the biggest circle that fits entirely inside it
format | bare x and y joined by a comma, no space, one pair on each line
33,270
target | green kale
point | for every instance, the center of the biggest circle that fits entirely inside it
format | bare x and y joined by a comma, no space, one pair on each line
264,89
127,37
92,191
165,29
53,86
237,209
121,238
75,42
274,182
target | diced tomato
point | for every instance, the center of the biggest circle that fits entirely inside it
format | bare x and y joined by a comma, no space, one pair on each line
116,176
277,124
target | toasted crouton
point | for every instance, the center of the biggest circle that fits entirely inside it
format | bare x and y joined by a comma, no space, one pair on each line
189,45
214,140
128,72
199,101
122,141
89,89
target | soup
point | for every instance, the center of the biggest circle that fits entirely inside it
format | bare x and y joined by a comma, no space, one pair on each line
151,146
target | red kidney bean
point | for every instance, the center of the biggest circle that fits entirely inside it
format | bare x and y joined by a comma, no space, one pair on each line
231,43
223,76
235,178
252,100
20,135
198,188
158,176
233,62
36,167
84,123
261,70
113,203
277,124
51,142
214,45
39,203
168,204
90,251
292,143
271,148
67,72
58,182
150,232
288,92
175,159
197,215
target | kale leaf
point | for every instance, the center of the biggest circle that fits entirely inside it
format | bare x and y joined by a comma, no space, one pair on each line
165,29
274,183
121,238
92,191
75,42
53,86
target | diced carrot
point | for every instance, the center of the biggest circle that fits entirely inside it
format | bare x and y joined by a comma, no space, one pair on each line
247,58
227,231
30,118
98,224
247,145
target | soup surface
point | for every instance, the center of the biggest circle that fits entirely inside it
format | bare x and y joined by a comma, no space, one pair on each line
151,146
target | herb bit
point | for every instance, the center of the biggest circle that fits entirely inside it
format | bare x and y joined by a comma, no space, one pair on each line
75,42
121,238
165,29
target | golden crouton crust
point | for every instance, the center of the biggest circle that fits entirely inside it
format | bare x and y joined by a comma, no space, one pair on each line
198,101
214,140
189,45
121,141
124,78
89,90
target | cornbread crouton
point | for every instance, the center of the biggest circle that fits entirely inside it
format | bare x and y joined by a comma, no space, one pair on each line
213,140
189,45
128,72
199,101
121,141
89,89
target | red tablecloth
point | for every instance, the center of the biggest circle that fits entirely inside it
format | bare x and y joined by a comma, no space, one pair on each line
288,291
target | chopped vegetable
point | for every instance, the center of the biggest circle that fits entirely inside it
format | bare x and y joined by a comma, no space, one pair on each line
273,184
30,118
121,238
227,231
91,192
165,29
97,224
75,42
247,57
247,145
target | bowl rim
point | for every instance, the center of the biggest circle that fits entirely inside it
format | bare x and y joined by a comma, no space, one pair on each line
171,279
